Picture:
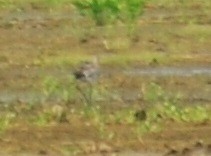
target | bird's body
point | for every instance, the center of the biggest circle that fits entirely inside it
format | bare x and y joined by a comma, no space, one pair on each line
87,71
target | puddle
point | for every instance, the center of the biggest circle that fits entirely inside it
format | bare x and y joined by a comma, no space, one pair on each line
170,71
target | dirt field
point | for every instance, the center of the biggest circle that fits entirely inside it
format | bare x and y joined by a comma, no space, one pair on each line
171,49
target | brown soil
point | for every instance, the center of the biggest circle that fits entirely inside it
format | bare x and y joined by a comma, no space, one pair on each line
27,44
55,139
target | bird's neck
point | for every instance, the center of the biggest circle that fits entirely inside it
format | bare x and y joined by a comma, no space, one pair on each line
95,61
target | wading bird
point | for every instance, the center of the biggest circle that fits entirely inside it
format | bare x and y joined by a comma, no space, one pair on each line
87,72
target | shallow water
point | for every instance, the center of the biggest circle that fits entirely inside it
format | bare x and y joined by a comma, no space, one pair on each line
170,71
128,95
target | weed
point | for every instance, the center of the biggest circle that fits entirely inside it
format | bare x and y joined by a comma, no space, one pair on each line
5,120
42,119
67,91
153,93
52,114
92,112
112,12
168,108
146,127
187,114
50,86
5,4
132,10
101,11
54,88
125,116
99,120
71,150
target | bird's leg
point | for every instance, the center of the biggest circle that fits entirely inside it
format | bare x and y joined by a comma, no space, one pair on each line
90,92
82,94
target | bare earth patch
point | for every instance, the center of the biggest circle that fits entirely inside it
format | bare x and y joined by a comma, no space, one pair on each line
35,44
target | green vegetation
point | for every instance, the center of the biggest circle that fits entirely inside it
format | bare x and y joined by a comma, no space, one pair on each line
123,60
6,120
110,11
4,4
55,88
53,114
168,107
161,108
125,34
71,150
43,118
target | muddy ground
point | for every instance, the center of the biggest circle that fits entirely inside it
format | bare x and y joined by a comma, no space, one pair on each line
175,44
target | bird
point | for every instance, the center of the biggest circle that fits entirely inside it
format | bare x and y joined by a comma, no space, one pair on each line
87,71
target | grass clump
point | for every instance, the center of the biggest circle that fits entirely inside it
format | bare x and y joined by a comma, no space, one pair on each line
97,118
105,12
5,120
49,115
42,119
5,4
101,11
187,114
112,13
52,88
166,107
72,150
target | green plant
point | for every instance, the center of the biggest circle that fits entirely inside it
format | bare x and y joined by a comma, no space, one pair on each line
196,114
55,114
101,11
125,116
145,127
187,114
5,120
165,107
97,118
68,91
154,93
132,10
50,86
4,4
72,150
53,87
42,119
110,11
